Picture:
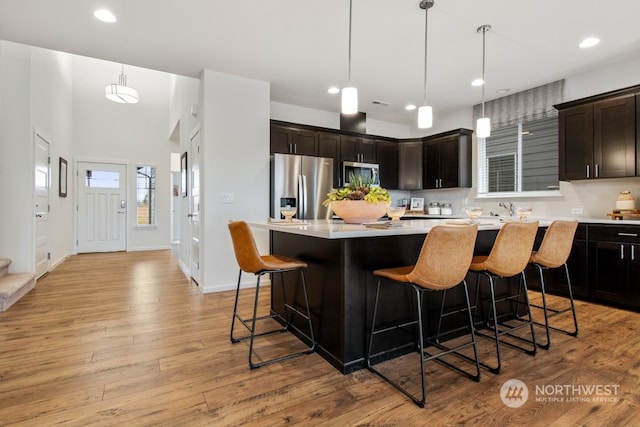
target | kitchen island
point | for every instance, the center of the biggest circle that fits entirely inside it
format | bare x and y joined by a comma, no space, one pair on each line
341,286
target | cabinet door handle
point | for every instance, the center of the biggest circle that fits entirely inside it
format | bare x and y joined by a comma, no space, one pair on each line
440,182
621,251
633,253
436,182
295,148
628,234
597,171
588,171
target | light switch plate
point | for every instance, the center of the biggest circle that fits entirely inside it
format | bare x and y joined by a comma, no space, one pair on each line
576,211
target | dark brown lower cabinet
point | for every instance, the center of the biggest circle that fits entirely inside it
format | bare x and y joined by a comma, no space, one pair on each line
614,267
604,266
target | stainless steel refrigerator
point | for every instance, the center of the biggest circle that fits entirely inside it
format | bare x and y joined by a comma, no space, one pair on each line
300,181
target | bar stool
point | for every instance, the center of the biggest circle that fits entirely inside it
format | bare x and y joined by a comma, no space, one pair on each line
509,257
553,253
442,264
250,261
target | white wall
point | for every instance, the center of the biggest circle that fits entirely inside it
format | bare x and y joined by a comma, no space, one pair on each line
16,158
135,134
51,113
235,158
331,120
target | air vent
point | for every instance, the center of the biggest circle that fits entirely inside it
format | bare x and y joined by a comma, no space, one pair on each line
378,102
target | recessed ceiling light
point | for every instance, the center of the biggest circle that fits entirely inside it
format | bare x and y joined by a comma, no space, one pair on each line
503,91
589,42
477,82
104,15
333,90
410,107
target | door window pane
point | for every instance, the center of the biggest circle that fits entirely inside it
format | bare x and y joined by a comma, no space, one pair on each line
102,179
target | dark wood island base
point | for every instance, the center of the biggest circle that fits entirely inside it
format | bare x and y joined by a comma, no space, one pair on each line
341,289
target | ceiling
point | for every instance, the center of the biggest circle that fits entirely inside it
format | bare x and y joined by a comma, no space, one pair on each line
301,46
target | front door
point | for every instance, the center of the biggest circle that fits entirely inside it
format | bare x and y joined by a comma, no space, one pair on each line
42,259
102,207
194,205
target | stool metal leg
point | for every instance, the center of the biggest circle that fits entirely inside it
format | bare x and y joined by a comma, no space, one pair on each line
555,312
420,341
289,312
235,310
507,329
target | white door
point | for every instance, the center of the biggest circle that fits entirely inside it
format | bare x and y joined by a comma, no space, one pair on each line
194,205
42,170
102,207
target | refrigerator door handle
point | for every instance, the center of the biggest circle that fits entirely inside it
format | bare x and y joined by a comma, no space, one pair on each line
302,196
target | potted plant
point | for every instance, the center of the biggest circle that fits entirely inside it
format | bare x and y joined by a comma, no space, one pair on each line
359,201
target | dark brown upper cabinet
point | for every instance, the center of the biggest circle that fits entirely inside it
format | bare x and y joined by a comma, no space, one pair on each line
387,158
446,160
329,146
357,149
291,140
597,137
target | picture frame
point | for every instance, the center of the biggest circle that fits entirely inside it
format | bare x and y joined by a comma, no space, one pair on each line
183,174
417,203
62,177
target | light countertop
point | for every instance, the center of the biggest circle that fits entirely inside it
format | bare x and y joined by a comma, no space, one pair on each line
336,229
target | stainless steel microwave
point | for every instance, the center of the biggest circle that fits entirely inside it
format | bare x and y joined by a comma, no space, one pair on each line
368,171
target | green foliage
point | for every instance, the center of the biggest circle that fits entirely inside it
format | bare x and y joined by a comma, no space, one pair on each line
359,188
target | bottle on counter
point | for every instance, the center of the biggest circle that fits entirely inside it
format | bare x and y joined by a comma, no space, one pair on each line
446,209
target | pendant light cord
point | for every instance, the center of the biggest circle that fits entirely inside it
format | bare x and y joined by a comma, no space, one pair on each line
350,13
426,26
484,82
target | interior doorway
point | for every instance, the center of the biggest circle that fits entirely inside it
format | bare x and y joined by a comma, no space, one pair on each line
42,184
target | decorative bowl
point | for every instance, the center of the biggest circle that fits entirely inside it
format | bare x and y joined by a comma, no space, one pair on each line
474,212
396,212
358,211
288,212
524,212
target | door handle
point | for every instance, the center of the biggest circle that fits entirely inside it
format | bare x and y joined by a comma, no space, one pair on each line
189,215
122,211
39,215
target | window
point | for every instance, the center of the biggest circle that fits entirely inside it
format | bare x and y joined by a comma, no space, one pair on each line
521,155
502,173
520,158
146,195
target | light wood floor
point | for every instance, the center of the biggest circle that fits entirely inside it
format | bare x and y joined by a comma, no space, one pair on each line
126,339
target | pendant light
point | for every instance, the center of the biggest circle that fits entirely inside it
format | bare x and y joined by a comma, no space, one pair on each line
349,93
483,126
425,112
120,92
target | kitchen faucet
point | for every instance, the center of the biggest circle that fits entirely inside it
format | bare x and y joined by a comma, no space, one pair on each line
508,206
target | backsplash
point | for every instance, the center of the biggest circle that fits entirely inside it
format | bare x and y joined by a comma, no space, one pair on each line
596,198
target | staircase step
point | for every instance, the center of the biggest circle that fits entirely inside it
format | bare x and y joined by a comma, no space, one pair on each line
13,287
